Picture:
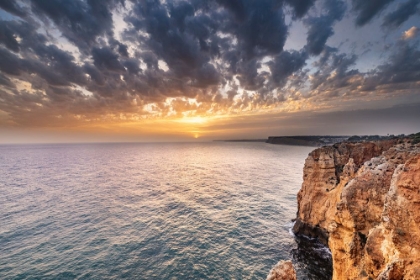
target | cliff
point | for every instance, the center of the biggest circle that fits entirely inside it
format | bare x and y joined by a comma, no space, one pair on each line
363,201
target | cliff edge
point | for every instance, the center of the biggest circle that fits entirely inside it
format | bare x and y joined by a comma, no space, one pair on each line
363,201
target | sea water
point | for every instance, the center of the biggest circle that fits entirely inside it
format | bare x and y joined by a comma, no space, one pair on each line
213,210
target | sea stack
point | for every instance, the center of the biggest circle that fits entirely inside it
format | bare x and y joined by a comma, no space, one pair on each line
363,201
283,270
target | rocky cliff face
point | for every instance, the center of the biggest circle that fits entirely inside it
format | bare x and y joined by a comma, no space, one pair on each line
363,201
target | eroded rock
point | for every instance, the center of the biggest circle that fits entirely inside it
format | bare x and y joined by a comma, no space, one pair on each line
363,200
283,270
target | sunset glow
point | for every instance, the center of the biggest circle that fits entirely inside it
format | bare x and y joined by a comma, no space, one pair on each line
182,70
193,120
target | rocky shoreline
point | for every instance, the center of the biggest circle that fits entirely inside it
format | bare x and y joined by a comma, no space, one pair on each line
362,200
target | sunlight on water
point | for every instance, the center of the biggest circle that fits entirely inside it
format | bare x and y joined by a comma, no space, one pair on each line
147,211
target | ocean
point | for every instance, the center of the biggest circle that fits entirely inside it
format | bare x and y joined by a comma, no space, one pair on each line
214,210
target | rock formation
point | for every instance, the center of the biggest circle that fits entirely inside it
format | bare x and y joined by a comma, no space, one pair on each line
283,270
363,201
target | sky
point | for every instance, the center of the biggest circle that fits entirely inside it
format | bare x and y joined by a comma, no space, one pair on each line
199,70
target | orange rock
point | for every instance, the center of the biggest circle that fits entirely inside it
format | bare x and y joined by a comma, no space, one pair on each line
363,200
283,270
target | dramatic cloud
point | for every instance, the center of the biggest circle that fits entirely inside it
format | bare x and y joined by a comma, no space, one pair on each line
367,10
285,64
86,62
334,72
402,13
403,66
320,27
79,21
12,7
300,7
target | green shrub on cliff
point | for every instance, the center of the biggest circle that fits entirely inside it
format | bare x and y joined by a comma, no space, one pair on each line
415,137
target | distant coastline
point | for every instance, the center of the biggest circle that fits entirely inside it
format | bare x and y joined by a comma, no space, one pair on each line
311,141
314,140
242,140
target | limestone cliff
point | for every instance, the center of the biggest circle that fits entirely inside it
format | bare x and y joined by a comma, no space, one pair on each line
363,201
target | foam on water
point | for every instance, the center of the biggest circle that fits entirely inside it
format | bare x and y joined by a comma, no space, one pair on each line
147,211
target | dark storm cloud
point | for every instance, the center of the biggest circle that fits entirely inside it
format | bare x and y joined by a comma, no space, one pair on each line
300,7
7,37
37,56
367,10
122,50
11,31
61,63
94,74
12,7
249,76
169,41
132,66
5,81
402,13
334,71
54,65
106,59
321,28
207,75
9,62
402,66
285,64
26,32
81,22
258,25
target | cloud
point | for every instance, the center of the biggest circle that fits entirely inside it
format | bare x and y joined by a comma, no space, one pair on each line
285,64
7,37
410,33
401,14
403,66
81,22
320,27
80,62
300,7
262,29
13,7
336,77
334,72
367,10
106,59
5,81
9,62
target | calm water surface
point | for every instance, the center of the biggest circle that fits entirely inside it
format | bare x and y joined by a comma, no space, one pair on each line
147,211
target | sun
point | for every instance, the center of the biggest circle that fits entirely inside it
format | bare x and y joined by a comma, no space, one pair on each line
196,135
